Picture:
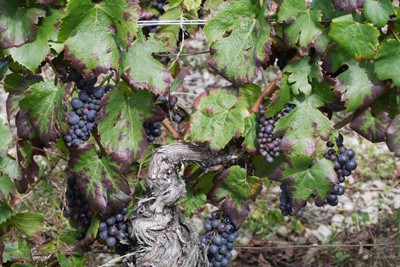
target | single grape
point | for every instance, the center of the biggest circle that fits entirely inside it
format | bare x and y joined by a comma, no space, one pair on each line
76,103
73,119
111,241
111,221
119,217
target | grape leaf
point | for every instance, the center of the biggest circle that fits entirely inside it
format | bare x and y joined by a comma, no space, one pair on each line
169,34
359,39
193,201
18,250
216,118
240,41
6,185
5,212
27,164
18,25
250,134
157,78
358,85
371,127
44,102
303,182
234,188
280,98
106,190
289,9
249,94
305,30
378,11
192,4
393,136
28,222
348,6
8,171
326,8
30,55
106,26
301,127
298,78
5,136
387,63
120,124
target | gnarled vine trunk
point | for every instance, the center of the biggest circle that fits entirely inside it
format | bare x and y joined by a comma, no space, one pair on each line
162,235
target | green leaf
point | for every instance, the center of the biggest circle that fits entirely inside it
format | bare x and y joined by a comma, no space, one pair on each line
44,101
326,8
240,40
250,134
8,171
6,186
393,136
289,9
249,94
105,189
235,187
280,98
358,85
5,136
143,70
106,26
387,64
359,39
5,212
120,124
31,55
378,11
28,222
216,119
169,34
18,24
305,30
371,127
18,250
303,182
192,4
298,78
193,201
65,261
301,127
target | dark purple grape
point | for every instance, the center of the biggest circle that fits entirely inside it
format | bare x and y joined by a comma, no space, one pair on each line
351,165
102,226
123,226
68,138
119,217
76,103
112,231
73,119
350,153
124,211
217,240
91,116
111,221
111,241
98,92
215,214
213,249
103,235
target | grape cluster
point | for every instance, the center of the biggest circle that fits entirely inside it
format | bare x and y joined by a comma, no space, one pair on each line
78,208
170,106
84,111
344,164
153,130
285,202
114,229
219,239
268,144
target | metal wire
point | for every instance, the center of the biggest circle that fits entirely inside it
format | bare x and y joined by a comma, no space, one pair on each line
149,23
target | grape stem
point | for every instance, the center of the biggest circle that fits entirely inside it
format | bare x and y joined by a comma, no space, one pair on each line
97,138
167,124
267,92
125,78
344,122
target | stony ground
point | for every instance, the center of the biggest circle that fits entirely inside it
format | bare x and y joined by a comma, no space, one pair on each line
361,231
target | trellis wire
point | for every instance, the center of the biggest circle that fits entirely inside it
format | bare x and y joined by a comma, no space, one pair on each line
149,23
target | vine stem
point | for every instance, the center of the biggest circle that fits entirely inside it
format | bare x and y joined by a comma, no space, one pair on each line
267,91
167,124
49,152
126,80
344,122
97,138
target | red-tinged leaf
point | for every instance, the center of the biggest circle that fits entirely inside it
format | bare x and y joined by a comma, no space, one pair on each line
105,188
143,70
371,126
29,168
94,33
218,117
358,85
120,124
18,25
349,6
393,136
43,101
240,40
234,188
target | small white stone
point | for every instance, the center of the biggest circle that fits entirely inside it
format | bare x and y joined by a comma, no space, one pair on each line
396,202
338,220
322,233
